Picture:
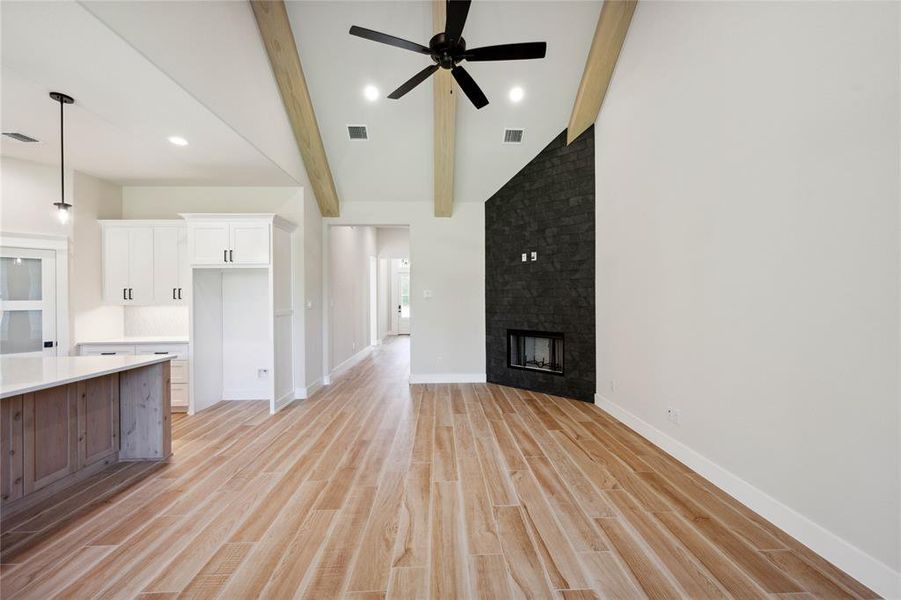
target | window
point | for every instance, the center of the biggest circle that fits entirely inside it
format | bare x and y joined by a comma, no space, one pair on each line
404,295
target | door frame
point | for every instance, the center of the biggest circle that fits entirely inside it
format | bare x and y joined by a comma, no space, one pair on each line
60,246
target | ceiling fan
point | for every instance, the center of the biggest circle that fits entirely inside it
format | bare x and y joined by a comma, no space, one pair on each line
448,49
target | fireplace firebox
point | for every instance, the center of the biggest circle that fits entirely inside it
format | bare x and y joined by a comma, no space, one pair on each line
535,351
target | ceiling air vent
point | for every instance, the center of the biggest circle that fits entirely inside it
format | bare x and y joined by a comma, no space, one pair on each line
513,136
19,137
357,132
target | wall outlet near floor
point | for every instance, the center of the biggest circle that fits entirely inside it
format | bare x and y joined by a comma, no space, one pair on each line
262,373
612,385
672,415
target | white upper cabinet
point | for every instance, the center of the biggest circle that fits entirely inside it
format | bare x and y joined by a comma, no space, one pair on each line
249,244
210,243
145,262
128,264
229,240
171,269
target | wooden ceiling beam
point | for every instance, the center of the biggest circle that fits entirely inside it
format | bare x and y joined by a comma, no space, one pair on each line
609,35
445,118
272,19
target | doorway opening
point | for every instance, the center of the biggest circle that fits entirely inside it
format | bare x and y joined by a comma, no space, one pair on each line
367,291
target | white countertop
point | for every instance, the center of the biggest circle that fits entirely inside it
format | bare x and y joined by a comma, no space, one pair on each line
21,375
162,339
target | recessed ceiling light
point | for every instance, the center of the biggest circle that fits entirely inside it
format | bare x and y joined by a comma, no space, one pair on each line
371,92
516,94
178,140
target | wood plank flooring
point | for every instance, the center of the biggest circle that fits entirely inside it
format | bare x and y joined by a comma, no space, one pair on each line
375,488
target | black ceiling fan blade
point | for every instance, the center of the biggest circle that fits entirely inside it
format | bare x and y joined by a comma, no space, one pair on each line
523,51
413,82
469,87
384,38
456,18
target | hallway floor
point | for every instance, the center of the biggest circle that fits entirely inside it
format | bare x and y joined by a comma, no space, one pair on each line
376,488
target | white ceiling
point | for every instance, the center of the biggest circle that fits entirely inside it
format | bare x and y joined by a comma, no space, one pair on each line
125,107
396,164
141,71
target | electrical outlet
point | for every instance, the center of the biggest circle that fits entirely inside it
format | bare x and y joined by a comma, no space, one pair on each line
612,385
672,415
525,257
534,256
262,373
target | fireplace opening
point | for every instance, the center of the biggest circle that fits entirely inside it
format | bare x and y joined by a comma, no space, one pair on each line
535,351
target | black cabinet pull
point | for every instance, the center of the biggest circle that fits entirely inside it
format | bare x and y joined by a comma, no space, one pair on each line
179,293
129,294
173,293
161,353
231,256
225,256
107,354
125,293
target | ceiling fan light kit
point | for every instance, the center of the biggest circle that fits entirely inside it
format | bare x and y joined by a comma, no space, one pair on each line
448,49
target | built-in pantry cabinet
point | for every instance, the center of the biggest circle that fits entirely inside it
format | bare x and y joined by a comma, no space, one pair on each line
145,262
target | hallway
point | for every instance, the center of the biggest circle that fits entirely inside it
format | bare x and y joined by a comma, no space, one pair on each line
374,488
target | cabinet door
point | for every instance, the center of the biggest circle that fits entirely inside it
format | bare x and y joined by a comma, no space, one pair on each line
250,244
140,265
11,464
165,264
115,264
49,432
209,243
98,419
184,267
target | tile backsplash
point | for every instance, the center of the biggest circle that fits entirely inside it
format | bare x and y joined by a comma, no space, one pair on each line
156,321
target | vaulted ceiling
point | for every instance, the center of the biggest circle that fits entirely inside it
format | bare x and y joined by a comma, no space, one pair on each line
142,71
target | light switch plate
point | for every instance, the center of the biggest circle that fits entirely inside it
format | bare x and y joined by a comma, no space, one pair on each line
525,257
426,294
534,256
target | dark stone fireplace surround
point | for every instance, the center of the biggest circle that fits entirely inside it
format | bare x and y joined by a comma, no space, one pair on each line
548,208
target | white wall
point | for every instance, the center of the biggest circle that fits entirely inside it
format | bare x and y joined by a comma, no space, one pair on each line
349,252
310,289
393,242
447,257
28,193
748,258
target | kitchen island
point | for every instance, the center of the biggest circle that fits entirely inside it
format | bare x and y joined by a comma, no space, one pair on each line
62,419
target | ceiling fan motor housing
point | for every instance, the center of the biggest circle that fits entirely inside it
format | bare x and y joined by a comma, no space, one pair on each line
447,52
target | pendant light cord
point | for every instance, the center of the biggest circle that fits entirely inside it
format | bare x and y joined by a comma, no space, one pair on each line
62,154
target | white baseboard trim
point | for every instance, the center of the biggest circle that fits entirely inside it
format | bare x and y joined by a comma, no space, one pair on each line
448,378
283,402
348,363
870,571
302,393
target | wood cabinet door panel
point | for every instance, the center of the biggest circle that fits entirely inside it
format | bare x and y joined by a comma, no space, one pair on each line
98,419
250,244
50,435
166,264
115,265
11,465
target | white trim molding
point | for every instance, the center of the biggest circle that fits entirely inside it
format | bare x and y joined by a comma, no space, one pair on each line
868,570
302,393
348,363
447,378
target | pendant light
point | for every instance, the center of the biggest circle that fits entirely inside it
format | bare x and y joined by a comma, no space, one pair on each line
62,207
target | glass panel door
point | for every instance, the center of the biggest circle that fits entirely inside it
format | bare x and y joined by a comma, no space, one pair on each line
27,302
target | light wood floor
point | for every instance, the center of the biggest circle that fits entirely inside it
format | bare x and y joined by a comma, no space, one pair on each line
375,488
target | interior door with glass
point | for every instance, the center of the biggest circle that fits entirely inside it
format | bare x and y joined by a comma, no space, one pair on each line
27,302
403,307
